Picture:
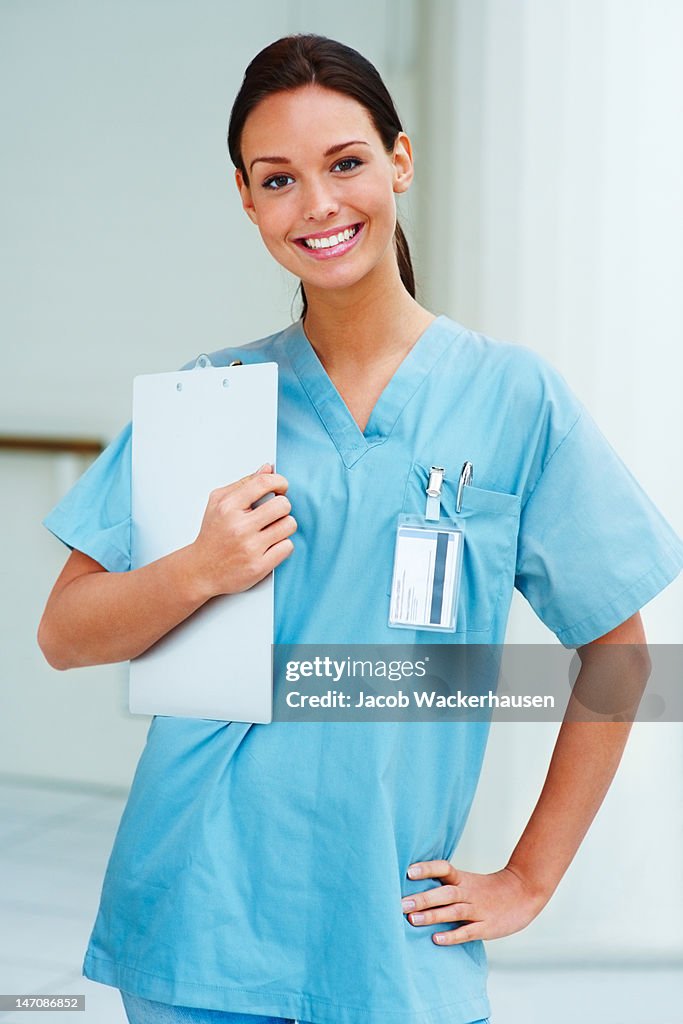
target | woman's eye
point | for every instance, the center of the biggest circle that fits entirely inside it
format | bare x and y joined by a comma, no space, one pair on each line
349,163
277,181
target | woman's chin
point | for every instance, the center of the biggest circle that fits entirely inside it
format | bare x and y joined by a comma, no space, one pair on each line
327,285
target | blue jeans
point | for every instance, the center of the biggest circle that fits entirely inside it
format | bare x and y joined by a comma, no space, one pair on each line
145,1011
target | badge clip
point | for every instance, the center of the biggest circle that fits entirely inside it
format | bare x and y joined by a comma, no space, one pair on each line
434,485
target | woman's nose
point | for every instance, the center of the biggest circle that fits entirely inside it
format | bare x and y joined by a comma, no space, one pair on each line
320,203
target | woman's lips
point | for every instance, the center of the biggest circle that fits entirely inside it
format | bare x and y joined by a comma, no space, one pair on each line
333,250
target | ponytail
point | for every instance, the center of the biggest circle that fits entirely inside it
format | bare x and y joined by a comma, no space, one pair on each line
405,265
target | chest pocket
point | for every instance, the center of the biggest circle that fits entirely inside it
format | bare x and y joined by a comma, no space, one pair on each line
491,524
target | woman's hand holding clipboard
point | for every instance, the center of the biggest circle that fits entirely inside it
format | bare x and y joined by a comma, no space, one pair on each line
244,537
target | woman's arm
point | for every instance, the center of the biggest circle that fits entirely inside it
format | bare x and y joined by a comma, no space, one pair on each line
95,617
584,762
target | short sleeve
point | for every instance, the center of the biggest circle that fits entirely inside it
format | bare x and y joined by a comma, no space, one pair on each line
95,515
592,547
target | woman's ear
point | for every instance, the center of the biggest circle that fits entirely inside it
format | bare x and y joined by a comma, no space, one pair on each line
403,163
245,195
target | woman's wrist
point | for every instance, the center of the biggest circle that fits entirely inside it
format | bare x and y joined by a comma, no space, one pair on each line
190,576
540,888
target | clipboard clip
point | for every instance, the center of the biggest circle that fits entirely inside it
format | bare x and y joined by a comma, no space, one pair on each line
202,361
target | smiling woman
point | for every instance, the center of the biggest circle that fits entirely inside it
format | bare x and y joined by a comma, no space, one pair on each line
304,869
323,102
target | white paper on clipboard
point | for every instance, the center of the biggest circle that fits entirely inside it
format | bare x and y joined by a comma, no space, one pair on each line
195,430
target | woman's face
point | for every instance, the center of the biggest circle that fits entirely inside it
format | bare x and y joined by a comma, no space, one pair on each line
321,185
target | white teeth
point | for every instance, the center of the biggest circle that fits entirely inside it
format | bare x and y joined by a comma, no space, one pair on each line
331,240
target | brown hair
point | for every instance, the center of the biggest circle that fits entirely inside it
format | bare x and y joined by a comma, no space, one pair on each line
298,60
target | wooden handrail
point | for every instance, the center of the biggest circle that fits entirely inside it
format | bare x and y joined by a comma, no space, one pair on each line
72,445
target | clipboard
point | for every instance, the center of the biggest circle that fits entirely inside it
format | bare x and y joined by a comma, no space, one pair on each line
193,431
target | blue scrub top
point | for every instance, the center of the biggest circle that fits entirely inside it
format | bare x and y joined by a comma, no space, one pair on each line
260,868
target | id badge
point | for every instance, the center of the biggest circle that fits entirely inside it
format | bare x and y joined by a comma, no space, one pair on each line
427,569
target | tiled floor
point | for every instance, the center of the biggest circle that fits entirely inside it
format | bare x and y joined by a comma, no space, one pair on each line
54,844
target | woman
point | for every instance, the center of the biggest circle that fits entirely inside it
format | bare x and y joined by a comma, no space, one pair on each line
302,870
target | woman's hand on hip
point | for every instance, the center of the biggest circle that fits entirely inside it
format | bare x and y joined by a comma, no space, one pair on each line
239,544
491,905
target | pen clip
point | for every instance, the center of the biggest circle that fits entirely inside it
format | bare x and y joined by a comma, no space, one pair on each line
466,474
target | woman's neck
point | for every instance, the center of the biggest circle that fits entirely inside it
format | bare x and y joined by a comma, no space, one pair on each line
363,328
361,340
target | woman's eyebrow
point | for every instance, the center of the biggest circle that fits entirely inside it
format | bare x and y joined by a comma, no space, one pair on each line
328,152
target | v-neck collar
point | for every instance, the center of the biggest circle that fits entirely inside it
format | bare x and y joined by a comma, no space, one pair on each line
351,442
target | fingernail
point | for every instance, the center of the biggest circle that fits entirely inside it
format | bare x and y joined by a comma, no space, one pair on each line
439,938
417,918
266,465
408,904
414,872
